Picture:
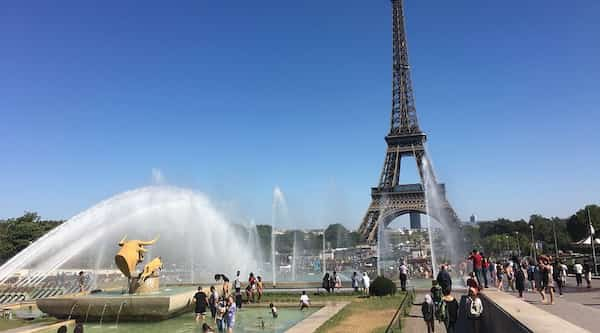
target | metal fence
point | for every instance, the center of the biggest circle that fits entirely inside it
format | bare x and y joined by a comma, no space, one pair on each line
403,310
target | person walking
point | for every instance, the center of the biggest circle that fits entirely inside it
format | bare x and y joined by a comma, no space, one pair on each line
510,276
578,268
549,270
444,280
492,271
436,295
326,282
542,275
474,310
403,275
499,277
556,275
201,304
427,309
531,275
450,313
587,273
520,279
475,257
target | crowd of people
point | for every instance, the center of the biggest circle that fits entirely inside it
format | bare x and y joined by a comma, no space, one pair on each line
223,304
441,305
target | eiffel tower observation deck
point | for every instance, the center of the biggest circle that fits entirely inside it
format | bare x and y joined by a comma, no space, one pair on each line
390,198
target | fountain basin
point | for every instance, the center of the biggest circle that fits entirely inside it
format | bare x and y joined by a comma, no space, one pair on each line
110,305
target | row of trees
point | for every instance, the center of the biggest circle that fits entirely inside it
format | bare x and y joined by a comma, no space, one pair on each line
506,235
17,233
494,237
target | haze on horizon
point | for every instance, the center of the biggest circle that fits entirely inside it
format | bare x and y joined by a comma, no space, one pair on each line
232,99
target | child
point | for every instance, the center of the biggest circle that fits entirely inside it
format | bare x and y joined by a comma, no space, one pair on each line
436,294
427,310
273,310
472,281
220,317
500,277
207,329
304,302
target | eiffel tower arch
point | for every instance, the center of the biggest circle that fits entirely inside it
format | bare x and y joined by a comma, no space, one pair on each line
391,199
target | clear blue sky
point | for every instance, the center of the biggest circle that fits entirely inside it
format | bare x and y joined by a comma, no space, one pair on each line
234,97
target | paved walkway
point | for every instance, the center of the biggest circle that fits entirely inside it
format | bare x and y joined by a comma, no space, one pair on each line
414,323
318,318
579,306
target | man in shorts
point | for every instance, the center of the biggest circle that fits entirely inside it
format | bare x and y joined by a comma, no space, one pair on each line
201,303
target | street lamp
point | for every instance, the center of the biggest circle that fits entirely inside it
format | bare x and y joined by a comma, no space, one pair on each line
555,241
507,244
532,242
518,245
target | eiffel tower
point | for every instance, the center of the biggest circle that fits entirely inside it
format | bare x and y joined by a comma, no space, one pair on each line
391,199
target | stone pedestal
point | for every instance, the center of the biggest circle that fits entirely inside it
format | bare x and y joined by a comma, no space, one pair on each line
151,284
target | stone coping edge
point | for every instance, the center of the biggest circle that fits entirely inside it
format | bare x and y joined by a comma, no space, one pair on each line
311,323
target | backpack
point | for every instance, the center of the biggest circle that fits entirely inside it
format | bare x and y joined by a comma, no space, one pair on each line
436,293
442,312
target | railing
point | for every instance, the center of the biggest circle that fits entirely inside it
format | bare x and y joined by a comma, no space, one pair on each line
395,324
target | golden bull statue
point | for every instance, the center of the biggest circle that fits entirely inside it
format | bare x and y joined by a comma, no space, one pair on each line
129,256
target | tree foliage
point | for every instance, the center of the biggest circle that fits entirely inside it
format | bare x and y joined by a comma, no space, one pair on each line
17,233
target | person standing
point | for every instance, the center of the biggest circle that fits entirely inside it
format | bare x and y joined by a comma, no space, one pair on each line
237,285
337,280
444,279
451,312
366,283
519,279
213,299
230,316
578,273
427,309
474,310
81,281
250,292
403,275
355,281
201,304
332,279
477,265
325,283
260,288
587,273
485,263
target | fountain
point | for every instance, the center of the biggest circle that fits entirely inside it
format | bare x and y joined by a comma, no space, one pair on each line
83,242
279,210
145,283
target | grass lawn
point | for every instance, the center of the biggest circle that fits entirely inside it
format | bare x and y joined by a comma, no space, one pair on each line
364,315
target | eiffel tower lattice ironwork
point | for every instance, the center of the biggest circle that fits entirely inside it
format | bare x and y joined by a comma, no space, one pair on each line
390,198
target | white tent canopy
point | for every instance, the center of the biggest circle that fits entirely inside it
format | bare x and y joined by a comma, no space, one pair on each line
587,241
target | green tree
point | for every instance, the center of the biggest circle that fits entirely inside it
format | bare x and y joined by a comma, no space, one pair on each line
577,224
